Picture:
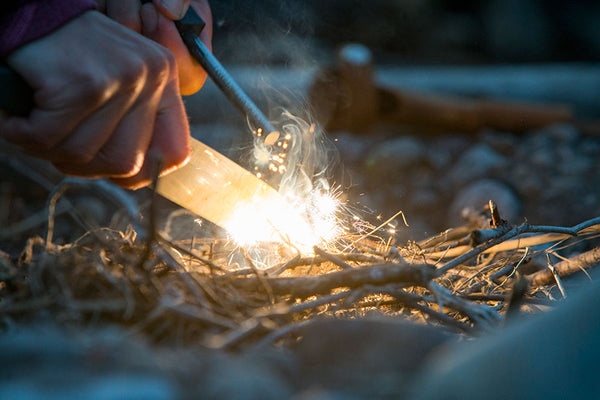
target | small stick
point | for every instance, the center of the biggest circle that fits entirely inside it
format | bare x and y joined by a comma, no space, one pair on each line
495,214
331,258
523,228
564,268
261,278
478,313
452,234
190,253
305,286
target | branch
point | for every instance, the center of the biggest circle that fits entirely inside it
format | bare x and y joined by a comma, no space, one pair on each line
565,268
305,286
519,230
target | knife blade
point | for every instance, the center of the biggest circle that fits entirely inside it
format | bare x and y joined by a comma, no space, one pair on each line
210,185
214,187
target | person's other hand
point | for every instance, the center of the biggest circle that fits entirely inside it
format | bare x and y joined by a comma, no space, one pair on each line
107,102
154,20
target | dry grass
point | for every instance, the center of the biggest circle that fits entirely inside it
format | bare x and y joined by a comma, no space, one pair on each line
185,291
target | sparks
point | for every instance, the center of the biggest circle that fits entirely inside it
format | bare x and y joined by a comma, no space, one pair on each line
300,222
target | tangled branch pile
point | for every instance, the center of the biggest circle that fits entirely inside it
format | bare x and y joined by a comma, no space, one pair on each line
465,279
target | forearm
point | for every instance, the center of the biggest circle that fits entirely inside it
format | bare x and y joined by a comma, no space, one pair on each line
22,22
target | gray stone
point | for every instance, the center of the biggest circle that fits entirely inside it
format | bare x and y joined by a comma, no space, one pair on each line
563,133
477,162
351,147
424,199
476,196
442,151
373,357
549,356
46,363
238,378
396,155
502,142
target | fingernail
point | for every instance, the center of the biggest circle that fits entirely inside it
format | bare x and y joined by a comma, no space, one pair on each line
149,16
175,7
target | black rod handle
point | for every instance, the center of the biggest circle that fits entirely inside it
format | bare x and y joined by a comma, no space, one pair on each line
16,96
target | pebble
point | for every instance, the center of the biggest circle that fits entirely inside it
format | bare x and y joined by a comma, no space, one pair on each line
477,162
476,196
396,155
351,147
443,150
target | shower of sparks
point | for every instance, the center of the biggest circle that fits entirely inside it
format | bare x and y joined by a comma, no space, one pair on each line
298,218
270,158
302,222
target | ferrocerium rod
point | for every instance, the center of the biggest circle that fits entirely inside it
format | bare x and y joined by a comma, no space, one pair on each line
188,28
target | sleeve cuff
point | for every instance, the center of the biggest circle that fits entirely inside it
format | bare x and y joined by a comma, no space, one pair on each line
36,19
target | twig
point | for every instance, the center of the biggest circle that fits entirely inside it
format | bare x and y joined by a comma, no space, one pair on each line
188,252
564,268
478,313
523,228
261,278
448,235
366,235
413,300
331,258
318,260
305,286
514,270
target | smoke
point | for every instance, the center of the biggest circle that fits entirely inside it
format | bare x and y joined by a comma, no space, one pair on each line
302,157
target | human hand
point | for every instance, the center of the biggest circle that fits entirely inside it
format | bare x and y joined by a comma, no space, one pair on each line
107,102
154,20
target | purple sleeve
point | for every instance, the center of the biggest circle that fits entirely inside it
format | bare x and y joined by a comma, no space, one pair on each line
31,20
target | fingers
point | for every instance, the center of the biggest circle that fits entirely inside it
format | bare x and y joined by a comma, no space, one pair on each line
94,134
154,20
124,153
170,140
125,12
158,27
50,124
173,9
129,135
107,101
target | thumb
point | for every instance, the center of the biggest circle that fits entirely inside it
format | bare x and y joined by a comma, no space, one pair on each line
156,26
173,9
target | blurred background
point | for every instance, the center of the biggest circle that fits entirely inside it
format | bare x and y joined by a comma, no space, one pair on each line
408,31
434,158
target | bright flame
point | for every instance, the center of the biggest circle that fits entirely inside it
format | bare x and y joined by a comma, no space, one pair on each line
302,222
306,212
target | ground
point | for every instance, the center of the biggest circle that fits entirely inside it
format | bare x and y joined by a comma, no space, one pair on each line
109,308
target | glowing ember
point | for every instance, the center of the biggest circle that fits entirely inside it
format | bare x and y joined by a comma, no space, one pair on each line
299,222
306,212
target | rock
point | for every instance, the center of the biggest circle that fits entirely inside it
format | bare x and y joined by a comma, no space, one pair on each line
395,156
367,358
424,199
477,195
477,162
549,356
502,142
46,363
442,151
527,181
589,147
351,147
563,133
239,378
